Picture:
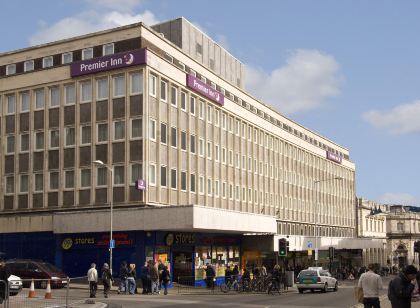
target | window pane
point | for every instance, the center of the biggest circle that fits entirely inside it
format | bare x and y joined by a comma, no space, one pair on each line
70,136
55,139
39,99
173,178
192,105
173,136
174,96
67,57
39,182
119,175
163,176
152,174
70,94
102,85
25,101
119,86
136,172
85,91
183,141
183,101
24,142
54,180
101,179
39,142
136,128
136,83
102,132
24,183
152,85
183,180
163,133
85,178
192,144
192,182
152,129
54,96
119,130
69,179
86,133
10,144
87,53
108,49
10,184
11,104
163,91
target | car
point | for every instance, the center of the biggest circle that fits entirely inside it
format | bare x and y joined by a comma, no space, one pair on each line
15,285
316,278
40,271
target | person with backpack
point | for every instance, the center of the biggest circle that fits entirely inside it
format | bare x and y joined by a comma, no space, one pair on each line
371,284
106,279
401,287
165,278
123,287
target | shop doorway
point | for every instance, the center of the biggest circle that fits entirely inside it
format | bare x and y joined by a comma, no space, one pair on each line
182,264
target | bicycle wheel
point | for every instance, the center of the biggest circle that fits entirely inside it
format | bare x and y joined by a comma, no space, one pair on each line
224,288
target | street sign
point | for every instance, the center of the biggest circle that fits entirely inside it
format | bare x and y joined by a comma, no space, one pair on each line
309,244
316,254
111,244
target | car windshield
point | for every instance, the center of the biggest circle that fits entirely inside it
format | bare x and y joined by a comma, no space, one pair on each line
307,273
49,267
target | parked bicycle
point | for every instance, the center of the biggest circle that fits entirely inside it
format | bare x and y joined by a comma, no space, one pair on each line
231,285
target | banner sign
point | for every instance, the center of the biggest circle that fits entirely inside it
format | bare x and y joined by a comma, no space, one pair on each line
334,157
107,63
204,89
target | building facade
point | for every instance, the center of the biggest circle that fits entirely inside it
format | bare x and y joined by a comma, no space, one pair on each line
199,166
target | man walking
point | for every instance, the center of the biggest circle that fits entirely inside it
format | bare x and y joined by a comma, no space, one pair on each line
4,275
401,287
371,283
93,280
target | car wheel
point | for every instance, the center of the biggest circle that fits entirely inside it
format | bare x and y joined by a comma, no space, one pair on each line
301,291
336,287
324,290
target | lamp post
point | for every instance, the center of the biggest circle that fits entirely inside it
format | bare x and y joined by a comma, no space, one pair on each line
317,212
100,163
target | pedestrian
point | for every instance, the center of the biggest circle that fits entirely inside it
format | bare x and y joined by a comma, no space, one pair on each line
131,279
371,284
106,279
160,270
210,276
92,275
123,287
228,274
401,287
154,277
144,275
4,276
165,279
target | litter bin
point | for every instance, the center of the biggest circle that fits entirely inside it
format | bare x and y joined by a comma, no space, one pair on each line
290,278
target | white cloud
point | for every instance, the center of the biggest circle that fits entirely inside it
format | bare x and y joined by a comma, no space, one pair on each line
399,198
304,83
87,22
402,119
120,5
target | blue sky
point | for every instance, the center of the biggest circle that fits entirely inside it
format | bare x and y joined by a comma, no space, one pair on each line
346,69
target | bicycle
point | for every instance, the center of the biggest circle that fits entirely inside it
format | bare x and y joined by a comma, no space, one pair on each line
231,285
274,287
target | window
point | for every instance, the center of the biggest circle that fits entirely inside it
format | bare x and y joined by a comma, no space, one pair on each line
400,227
24,143
69,94
39,140
223,120
69,179
119,175
11,104
173,178
39,182
108,49
119,130
209,150
173,137
163,181
136,128
87,53
136,83
47,62
152,174
69,137
152,129
183,180
152,85
224,190
201,147
183,141
201,185
102,132
54,96
86,135
54,138
102,89
216,117
24,183
39,99
237,193
25,100
119,86
28,66
237,127
85,178
209,114
136,172
192,144
201,110
183,101
54,180
85,91
10,184
101,176
216,188
163,91
163,133
209,187
224,155
216,152
11,69
192,105
174,96
67,57
192,183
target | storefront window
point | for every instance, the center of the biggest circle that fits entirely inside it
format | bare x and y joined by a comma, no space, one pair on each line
219,259
162,256
202,258
233,256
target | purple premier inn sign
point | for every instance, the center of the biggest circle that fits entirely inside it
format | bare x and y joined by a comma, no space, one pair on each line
204,89
111,62
334,157
140,184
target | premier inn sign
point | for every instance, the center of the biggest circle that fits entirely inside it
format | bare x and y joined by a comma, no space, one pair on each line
107,63
204,89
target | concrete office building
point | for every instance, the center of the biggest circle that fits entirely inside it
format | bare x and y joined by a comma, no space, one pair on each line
215,167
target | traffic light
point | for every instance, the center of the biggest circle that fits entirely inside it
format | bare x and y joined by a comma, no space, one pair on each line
417,246
282,247
331,252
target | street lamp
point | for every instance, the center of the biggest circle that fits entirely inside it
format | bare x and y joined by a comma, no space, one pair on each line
100,163
339,178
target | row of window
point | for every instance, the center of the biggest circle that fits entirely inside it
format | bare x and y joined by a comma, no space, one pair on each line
66,58
85,93
69,177
118,133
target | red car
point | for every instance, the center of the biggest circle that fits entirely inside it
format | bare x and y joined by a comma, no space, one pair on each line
31,269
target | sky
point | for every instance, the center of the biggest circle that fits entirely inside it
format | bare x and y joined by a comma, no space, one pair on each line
348,70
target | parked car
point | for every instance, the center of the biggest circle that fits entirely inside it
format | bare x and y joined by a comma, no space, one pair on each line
315,278
40,271
15,285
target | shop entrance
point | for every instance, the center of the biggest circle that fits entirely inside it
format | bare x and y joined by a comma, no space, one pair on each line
182,263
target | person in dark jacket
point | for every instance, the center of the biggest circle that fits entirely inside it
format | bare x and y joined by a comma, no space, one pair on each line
106,279
210,276
123,288
165,278
235,273
144,276
4,275
228,274
401,287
